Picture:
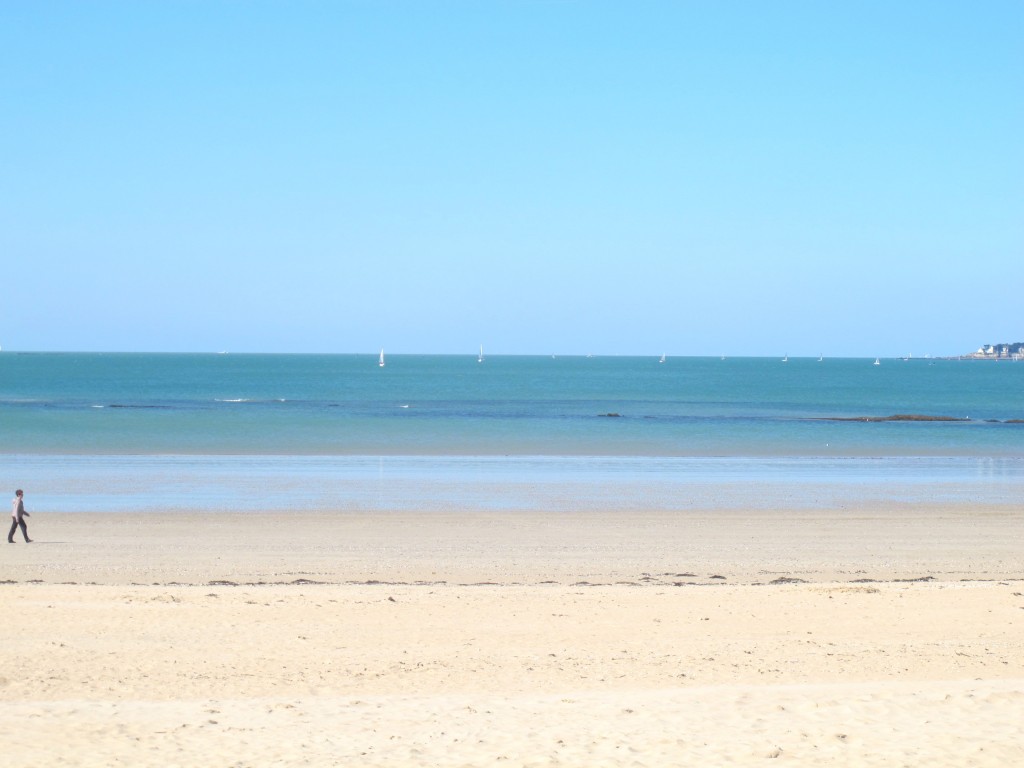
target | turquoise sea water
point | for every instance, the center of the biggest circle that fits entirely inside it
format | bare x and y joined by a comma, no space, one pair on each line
113,431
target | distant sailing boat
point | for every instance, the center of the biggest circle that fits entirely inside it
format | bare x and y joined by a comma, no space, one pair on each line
785,359
662,359
381,361
820,358
480,358
876,362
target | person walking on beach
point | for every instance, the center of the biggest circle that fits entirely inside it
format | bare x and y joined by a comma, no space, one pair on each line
19,514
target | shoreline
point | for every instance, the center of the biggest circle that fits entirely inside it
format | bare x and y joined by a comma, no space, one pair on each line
493,484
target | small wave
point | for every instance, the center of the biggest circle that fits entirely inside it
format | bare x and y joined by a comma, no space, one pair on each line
232,400
98,406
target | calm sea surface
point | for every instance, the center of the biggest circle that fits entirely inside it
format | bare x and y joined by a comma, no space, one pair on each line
138,431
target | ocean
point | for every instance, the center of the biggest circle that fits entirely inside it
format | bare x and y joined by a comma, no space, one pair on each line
116,432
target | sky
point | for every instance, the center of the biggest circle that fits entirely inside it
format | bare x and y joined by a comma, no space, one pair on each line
689,178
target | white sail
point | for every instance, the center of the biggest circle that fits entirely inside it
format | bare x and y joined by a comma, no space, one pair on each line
480,357
662,359
381,361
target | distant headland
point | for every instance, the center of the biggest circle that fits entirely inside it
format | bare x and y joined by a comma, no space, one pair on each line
1013,351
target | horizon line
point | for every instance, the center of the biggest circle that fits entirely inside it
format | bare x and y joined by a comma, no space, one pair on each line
376,352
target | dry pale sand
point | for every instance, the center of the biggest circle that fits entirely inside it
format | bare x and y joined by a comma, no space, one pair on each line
516,639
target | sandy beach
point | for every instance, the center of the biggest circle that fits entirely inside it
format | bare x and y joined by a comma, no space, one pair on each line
512,384
862,636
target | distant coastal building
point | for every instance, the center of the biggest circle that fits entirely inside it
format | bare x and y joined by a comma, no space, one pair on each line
1013,351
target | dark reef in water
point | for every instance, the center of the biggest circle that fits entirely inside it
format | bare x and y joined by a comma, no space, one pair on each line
899,417
913,417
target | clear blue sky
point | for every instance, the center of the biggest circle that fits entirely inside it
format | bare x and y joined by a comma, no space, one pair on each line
742,178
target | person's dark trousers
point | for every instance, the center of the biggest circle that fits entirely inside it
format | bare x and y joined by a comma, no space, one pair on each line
14,527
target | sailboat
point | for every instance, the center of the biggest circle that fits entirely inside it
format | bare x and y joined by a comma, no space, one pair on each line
662,359
876,362
480,358
820,358
381,361
785,359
